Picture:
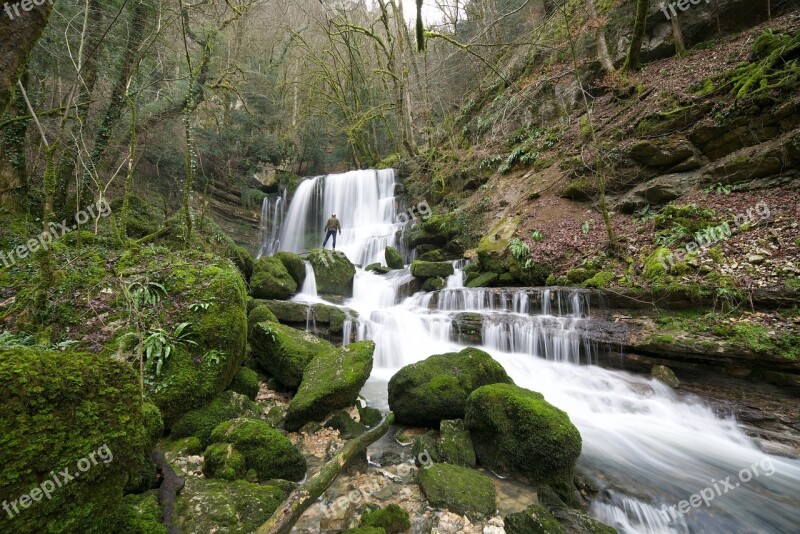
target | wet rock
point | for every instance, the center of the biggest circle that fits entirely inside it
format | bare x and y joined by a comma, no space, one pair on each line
455,444
294,264
536,519
393,258
429,269
665,375
333,271
271,280
458,489
284,352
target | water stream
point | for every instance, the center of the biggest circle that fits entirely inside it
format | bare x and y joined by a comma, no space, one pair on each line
645,445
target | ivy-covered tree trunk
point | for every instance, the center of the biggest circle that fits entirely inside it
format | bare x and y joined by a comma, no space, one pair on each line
14,186
639,27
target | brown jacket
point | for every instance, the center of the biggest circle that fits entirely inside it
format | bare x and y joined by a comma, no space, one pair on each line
333,225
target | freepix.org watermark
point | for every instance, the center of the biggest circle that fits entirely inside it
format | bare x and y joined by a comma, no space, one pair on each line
57,480
54,233
16,9
716,489
683,5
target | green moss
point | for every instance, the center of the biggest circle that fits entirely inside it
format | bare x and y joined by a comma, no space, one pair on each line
271,279
200,422
369,416
265,450
681,268
153,424
483,280
600,281
428,269
222,460
348,429
174,447
516,432
260,314
455,445
243,260
331,381
333,271
284,352
579,275
60,409
536,519
237,507
392,519
717,255
458,489
492,249
393,258
246,382
294,264
657,264
437,388
364,530
140,514
426,448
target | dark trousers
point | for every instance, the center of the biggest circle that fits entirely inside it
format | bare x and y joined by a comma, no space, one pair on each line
331,233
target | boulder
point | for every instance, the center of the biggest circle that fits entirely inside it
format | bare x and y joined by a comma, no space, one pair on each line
535,519
201,422
455,444
433,284
517,433
377,268
461,490
242,445
271,279
657,191
392,519
294,264
492,249
331,381
325,317
662,153
437,388
333,271
664,374
237,507
429,269
246,382
348,429
393,258
483,280
67,410
260,314
284,352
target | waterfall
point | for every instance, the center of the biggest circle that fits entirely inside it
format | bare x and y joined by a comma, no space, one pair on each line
645,446
270,224
309,288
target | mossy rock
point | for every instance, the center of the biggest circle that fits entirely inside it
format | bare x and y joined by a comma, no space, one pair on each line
364,530
393,258
237,507
331,381
657,264
348,429
429,269
535,519
153,423
201,422
492,249
483,280
435,230
426,448
260,314
377,268
665,375
433,284
140,514
62,410
246,382
294,264
284,352
517,433
333,271
174,447
392,519
263,449
579,275
573,520
243,260
296,313
600,281
369,416
432,255
437,388
455,444
271,279
461,490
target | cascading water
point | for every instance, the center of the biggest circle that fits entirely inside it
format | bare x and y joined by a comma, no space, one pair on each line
272,215
647,447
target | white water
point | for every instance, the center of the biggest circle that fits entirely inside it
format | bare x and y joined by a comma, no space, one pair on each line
309,288
272,214
646,446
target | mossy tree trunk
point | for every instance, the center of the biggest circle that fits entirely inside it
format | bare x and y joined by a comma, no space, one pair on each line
639,27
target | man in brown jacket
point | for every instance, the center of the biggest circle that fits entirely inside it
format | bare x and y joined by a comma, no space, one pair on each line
331,227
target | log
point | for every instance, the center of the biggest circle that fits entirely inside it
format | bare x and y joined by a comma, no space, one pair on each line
171,484
287,514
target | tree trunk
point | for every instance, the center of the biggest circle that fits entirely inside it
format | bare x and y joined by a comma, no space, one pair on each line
639,27
677,34
284,518
600,37
17,38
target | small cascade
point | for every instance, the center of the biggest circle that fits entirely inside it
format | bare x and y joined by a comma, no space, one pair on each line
309,288
456,280
311,321
270,225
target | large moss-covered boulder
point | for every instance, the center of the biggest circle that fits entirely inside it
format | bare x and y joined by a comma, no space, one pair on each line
67,411
271,279
331,381
246,382
437,388
516,432
430,269
243,445
294,264
285,352
298,313
333,271
535,519
200,422
393,258
237,507
392,519
260,314
459,489
455,444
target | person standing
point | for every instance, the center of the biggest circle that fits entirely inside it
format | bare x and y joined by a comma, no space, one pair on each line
331,227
